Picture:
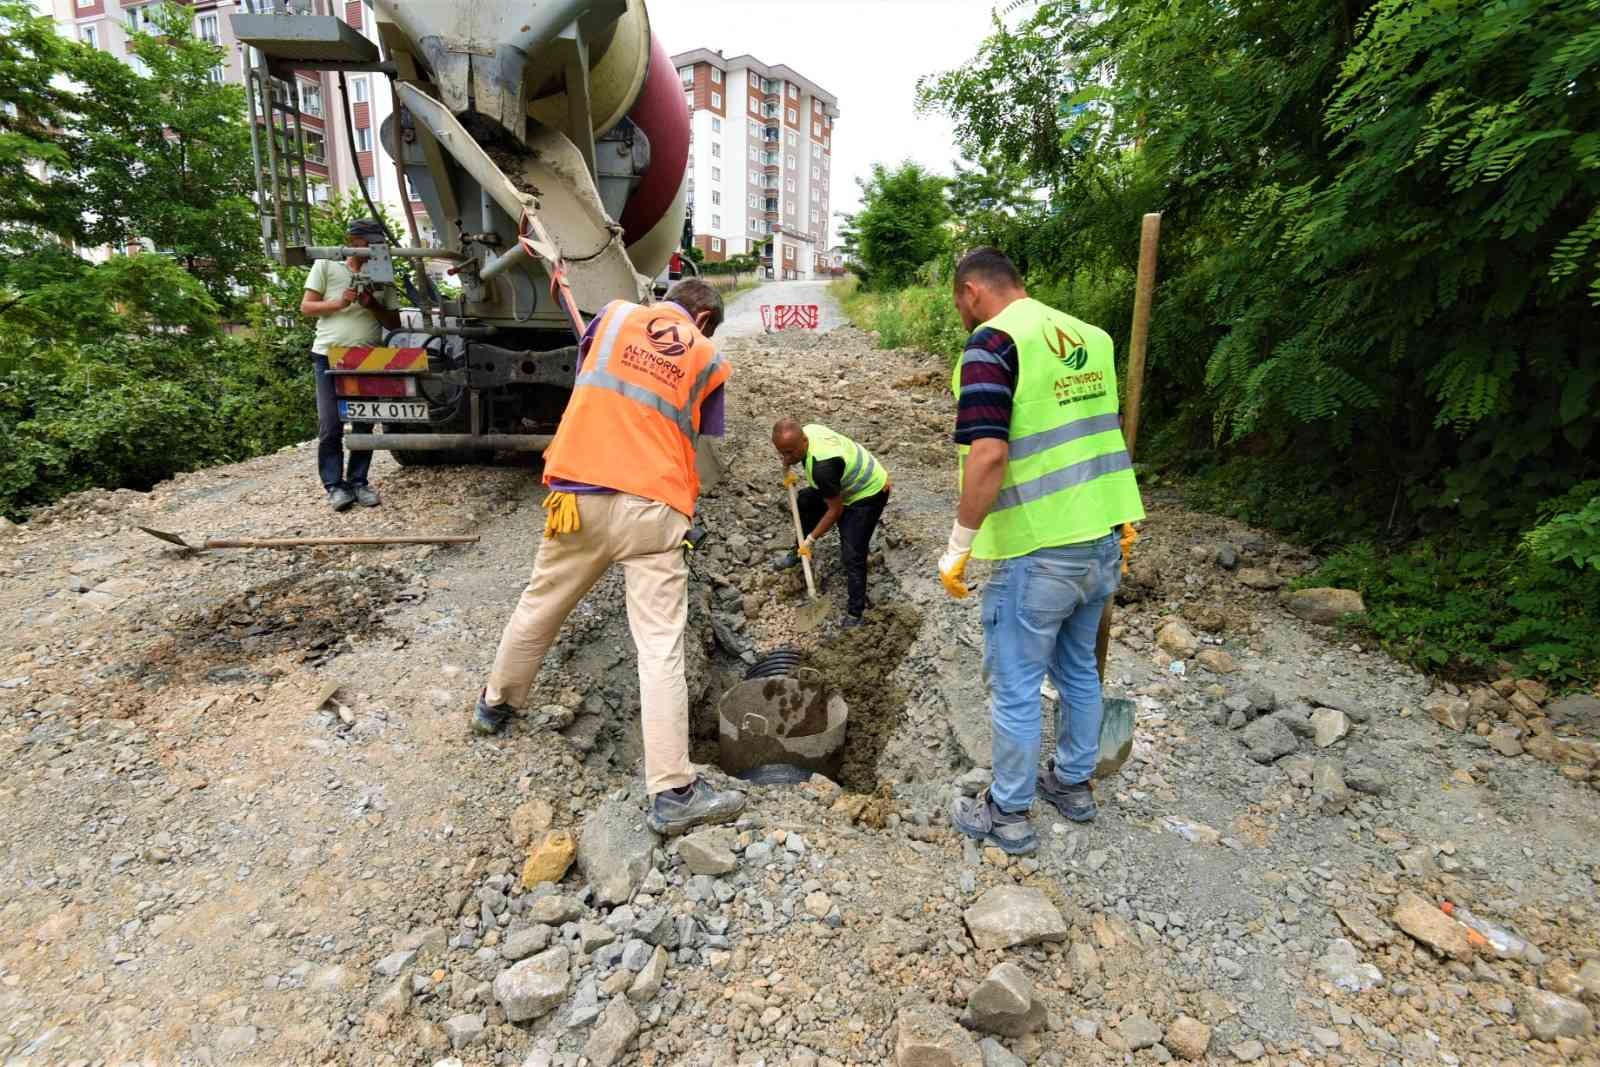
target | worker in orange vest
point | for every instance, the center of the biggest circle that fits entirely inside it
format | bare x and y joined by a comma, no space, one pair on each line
623,482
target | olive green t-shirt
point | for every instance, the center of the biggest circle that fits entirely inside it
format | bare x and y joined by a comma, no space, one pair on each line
354,325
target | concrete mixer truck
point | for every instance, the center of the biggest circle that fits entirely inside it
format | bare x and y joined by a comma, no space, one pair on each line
547,142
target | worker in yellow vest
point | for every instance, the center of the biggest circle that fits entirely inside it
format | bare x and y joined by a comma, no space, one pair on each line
849,489
1045,480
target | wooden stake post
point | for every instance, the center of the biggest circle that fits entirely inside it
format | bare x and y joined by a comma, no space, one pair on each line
1144,291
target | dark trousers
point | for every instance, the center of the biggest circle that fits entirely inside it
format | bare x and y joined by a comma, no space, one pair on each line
330,436
855,536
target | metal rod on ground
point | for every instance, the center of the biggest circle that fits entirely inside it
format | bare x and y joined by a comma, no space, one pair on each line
1143,293
800,536
304,542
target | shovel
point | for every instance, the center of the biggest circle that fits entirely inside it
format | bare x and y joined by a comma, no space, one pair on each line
800,536
303,542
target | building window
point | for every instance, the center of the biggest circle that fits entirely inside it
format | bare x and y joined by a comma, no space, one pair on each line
319,192
688,101
370,184
789,161
716,197
358,90
716,242
364,139
687,74
755,227
753,201
754,155
206,29
716,99
794,138
139,20
792,116
716,124
816,173
753,179
89,36
716,76
755,106
311,99
716,174
794,91
816,105
816,151
716,150
816,129
316,148
790,186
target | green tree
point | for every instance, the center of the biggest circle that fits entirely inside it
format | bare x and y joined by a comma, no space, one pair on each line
902,224
164,156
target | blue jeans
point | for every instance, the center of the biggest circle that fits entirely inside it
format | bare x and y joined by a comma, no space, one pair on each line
1041,613
330,436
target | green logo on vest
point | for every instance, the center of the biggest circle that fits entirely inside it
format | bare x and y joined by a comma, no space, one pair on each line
1067,348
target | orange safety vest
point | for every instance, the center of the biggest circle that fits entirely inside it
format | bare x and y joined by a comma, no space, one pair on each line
634,415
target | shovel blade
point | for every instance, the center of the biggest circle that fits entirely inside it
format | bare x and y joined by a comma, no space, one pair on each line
170,538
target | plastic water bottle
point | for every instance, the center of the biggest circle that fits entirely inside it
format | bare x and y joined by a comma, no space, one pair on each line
1506,945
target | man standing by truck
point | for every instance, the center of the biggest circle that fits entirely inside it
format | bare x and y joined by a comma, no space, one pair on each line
1045,479
623,483
350,313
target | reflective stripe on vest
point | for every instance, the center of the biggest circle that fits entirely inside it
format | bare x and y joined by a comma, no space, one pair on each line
1068,476
863,475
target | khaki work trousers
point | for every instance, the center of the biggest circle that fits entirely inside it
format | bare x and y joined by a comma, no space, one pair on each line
646,537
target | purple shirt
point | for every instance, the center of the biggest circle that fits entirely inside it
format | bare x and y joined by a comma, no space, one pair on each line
713,411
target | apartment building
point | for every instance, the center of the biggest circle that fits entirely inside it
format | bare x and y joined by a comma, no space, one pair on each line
760,161
333,162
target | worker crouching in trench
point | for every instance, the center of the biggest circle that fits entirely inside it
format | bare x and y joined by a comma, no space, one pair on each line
849,489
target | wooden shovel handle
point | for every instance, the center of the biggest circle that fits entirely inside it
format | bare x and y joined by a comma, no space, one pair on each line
301,542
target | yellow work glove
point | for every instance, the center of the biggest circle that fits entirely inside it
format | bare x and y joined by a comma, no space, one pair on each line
561,514
804,548
953,564
790,479
1129,536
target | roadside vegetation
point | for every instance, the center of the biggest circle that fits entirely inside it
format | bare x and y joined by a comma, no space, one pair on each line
1379,280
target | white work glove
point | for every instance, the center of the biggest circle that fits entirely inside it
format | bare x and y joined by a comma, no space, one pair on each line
953,564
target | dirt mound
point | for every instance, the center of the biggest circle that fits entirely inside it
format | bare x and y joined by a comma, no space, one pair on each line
861,664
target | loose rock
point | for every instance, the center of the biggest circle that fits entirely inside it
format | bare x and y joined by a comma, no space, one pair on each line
1432,927
1188,1038
1004,1003
612,1035
614,850
1268,739
1014,915
550,860
535,986
925,1039
1324,604
1550,1015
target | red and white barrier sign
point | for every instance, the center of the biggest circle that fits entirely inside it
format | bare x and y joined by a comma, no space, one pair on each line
789,317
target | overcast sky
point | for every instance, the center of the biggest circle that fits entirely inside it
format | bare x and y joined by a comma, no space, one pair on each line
868,53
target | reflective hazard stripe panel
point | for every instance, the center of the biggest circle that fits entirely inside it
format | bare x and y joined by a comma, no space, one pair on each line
857,479
376,358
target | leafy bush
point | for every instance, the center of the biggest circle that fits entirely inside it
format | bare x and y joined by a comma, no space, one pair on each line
1465,607
1570,531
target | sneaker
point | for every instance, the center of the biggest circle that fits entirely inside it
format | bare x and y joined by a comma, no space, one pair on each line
489,718
784,562
340,498
850,622
366,496
671,813
978,818
1075,802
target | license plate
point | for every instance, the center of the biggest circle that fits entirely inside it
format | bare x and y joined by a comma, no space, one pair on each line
384,410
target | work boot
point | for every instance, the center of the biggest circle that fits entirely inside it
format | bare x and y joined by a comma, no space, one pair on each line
340,498
366,496
1075,802
850,622
1010,832
698,804
489,718
787,560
